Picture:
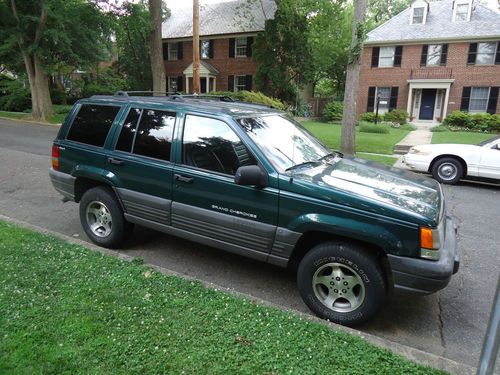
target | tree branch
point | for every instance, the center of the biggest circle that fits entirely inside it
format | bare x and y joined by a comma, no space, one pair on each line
41,24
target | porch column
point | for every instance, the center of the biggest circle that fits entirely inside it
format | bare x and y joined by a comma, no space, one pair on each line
445,105
409,107
215,84
187,84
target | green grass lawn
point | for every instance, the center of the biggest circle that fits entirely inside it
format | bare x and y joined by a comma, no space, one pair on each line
329,134
387,160
460,137
67,309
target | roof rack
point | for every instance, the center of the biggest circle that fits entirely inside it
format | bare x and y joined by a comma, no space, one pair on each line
165,93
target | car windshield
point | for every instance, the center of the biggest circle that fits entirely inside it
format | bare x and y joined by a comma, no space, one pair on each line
488,141
285,142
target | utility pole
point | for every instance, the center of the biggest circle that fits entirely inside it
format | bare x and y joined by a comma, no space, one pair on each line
196,47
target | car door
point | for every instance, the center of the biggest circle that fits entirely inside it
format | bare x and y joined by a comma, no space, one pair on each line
207,203
489,166
140,166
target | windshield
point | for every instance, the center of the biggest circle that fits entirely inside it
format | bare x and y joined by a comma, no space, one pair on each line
284,141
484,143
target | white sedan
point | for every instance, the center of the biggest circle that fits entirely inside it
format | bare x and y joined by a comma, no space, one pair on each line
448,163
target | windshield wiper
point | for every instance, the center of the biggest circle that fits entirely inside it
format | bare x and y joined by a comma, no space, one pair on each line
303,164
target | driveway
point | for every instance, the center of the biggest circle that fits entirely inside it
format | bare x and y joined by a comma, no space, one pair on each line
450,323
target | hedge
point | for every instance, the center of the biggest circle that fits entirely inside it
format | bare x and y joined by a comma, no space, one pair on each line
482,122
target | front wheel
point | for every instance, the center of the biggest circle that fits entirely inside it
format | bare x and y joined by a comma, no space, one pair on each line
447,170
342,283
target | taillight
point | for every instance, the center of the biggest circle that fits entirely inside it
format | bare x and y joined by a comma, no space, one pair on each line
55,157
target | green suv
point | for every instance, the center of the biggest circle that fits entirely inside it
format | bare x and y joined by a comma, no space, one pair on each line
247,179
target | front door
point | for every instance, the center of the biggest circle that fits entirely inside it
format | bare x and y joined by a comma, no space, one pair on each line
427,104
206,200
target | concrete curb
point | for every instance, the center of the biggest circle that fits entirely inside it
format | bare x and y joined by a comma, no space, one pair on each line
29,121
419,356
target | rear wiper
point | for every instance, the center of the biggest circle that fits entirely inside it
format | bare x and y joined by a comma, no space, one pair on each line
303,164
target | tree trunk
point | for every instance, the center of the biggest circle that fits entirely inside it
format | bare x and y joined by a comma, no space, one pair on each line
348,145
41,104
157,64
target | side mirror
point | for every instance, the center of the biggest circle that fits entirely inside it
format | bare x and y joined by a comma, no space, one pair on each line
251,175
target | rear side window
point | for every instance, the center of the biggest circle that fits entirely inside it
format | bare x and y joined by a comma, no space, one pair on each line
147,132
92,123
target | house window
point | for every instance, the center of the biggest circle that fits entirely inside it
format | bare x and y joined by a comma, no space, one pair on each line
434,54
486,53
173,51
479,99
172,84
241,47
462,12
205,49
383,94
418,15
386,58
240,83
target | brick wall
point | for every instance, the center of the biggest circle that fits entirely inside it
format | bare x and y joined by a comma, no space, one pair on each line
227,66
463,74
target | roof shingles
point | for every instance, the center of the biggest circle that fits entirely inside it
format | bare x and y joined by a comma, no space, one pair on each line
484,23
234,17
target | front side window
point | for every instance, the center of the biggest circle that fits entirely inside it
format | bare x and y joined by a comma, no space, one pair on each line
92,123
418,15
479,99
173,51
383,96
241,47
486,53
284,141
211,144
147,132
462,12
386,58
205,49
434,54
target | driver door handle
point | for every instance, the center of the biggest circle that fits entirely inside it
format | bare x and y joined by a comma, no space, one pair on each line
182,178
115,161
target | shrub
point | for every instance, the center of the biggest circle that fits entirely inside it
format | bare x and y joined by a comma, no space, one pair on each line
458,119
333,111
398,116
367,127
370,117
14,96
482,122
440,129
252,97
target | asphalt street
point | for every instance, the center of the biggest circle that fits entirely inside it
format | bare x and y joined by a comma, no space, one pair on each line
450,323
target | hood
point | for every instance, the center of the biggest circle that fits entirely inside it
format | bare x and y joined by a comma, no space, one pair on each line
375,187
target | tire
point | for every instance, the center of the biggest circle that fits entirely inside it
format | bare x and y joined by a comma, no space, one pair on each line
447,171
342,283
102,217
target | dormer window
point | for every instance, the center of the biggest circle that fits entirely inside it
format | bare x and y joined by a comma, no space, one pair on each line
419,10
462,10
418,15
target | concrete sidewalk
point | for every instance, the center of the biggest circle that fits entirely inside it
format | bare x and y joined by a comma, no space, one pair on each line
422,135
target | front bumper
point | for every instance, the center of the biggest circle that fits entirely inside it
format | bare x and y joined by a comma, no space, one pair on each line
416,162
423,276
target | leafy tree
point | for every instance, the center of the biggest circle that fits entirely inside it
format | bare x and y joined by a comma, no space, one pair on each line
47,34
282,51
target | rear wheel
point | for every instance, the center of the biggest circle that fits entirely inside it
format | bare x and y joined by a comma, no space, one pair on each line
447,170
101,217
342,283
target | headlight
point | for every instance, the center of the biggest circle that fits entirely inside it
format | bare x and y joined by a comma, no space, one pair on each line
419,151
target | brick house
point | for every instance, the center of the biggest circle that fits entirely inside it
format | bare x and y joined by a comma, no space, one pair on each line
227,32
431,59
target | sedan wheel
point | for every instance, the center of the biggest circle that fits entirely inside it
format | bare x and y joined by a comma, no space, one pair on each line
447,170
